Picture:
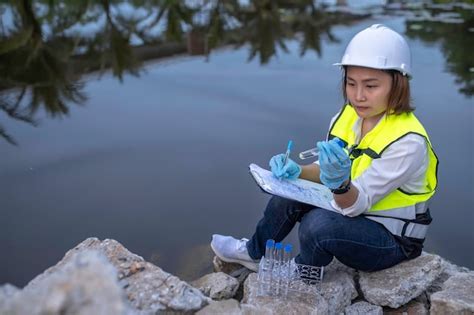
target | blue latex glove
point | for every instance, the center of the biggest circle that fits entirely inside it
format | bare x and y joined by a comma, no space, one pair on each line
334,164
290,170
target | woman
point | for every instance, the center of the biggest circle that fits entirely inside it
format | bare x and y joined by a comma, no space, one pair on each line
381,185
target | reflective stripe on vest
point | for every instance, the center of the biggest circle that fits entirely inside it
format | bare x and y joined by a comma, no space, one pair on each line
411,221
397,204
396,227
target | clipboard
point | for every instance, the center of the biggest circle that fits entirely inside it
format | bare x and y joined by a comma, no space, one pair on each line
297,189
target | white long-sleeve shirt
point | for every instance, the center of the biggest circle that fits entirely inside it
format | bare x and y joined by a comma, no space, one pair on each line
402,165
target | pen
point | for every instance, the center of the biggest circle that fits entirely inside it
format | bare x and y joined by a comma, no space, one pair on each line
288,150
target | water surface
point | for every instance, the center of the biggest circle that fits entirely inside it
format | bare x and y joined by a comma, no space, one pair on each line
159,161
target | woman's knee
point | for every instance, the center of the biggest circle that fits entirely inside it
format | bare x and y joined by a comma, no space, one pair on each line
314,229
319,225
279,205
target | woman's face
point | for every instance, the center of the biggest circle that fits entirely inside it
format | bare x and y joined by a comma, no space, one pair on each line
368,90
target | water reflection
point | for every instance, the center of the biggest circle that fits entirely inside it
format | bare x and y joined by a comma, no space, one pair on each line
35,72
266,27
451,25
48,46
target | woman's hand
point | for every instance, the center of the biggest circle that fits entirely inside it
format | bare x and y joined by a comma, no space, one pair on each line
334,163
290,170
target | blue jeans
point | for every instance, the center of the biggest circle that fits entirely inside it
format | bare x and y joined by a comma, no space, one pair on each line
356,242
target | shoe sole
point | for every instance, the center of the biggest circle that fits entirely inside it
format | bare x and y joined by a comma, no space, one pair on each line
248,265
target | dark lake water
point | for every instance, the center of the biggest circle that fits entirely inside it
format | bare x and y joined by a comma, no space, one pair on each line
159,161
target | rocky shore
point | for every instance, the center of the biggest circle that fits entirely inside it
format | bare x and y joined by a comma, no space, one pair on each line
103,277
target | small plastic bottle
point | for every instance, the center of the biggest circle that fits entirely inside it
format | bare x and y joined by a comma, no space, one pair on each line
315,151
277,262
265,268
285,270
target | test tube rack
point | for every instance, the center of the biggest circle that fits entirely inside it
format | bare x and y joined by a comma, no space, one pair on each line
303,281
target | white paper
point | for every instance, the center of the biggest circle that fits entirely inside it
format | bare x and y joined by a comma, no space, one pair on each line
297,189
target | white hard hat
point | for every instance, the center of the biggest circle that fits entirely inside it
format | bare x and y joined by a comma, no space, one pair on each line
378,47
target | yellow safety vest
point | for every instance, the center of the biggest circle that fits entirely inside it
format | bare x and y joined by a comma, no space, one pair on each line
409,208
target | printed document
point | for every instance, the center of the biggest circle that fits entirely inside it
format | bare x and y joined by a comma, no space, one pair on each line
297,189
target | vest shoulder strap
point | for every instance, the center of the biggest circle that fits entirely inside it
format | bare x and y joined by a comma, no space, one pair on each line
399,126
343,125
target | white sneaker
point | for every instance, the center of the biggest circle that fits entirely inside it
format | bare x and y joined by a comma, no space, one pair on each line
233,250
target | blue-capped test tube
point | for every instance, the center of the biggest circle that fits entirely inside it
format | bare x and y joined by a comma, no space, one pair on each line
265,268
315,151
269,248
277,262
285,270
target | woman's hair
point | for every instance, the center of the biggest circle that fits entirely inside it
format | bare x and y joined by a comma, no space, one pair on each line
399,100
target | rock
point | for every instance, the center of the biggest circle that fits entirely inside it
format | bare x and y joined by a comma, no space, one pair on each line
228,307
7,291
457,296
398,285
337,266
103,277
86,284
124,261
248,309
338,288
237,271
414,307
147,287
449,269
363,308
313,304
218,285
234,270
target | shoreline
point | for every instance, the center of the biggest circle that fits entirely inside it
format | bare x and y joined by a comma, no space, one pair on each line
103,277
